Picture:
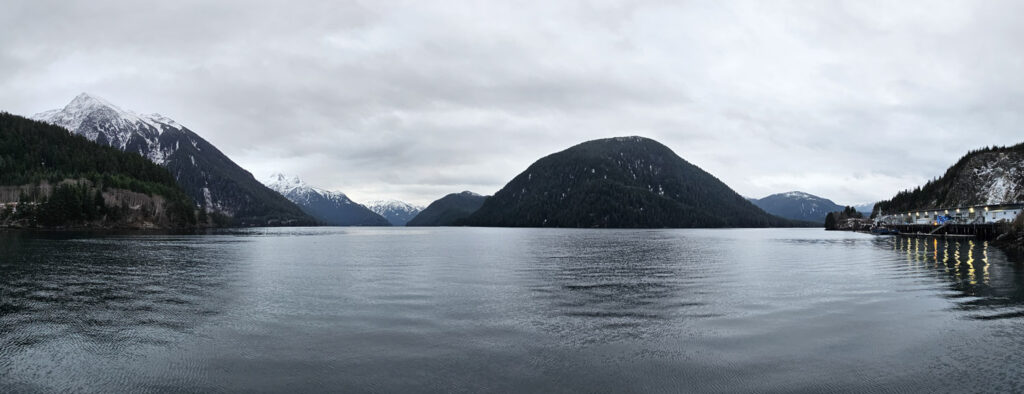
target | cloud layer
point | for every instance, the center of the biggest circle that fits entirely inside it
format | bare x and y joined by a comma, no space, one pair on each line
852,101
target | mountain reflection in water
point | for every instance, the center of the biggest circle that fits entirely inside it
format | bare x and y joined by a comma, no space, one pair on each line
507,310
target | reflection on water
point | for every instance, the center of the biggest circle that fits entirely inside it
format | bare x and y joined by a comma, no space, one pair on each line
91,297
507,310
596,289
991,291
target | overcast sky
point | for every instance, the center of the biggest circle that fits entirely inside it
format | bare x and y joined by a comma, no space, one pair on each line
852,101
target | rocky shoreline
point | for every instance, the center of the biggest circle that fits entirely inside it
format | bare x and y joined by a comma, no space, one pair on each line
1013,240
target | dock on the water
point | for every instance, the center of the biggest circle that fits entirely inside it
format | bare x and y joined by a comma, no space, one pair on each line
926,235
980,230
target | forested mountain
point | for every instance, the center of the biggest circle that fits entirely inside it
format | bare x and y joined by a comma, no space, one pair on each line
629,182
329,207
49,177
398,213
448,210
797,206
987,176
210,178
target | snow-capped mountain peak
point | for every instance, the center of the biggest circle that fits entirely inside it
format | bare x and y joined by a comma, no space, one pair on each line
330,207
284,184
80,109
800,195
103,122
209,177
392,205
91,108
85,102
155,117
398,213
295,189
797,205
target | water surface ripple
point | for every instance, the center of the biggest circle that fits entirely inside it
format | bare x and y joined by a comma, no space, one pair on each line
508,310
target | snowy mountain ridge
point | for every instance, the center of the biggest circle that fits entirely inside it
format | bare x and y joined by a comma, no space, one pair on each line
392,204
800,195
294,188
330,207
210,178
398,213
108,124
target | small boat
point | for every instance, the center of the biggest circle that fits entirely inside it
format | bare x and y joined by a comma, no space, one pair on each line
884,231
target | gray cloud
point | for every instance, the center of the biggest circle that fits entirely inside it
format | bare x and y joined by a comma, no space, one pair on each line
412,100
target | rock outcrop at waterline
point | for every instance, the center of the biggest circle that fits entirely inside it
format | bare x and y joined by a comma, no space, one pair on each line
79,203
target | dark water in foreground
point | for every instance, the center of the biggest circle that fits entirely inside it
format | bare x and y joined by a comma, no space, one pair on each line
508,310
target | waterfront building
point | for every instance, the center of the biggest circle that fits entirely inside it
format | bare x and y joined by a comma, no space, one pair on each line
979,214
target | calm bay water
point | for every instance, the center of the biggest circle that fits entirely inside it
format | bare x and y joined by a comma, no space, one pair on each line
508,310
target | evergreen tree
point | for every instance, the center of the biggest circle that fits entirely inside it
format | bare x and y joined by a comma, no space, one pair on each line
834,219
830,221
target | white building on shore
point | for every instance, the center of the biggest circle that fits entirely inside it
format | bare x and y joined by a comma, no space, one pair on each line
979,214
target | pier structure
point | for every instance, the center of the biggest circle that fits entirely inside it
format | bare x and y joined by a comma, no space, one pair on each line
982,221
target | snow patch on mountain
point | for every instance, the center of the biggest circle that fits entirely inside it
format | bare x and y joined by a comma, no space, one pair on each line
797,205
207,175
101,121
996,180
163,120
800,195
298,191
84,107
380,205
398,213
284,184
329,207
988,176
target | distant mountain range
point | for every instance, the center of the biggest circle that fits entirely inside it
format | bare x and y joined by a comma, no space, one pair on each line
617,182
626,182
448,210
210,178
797,206
398,213
865,209
982,177
328,207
